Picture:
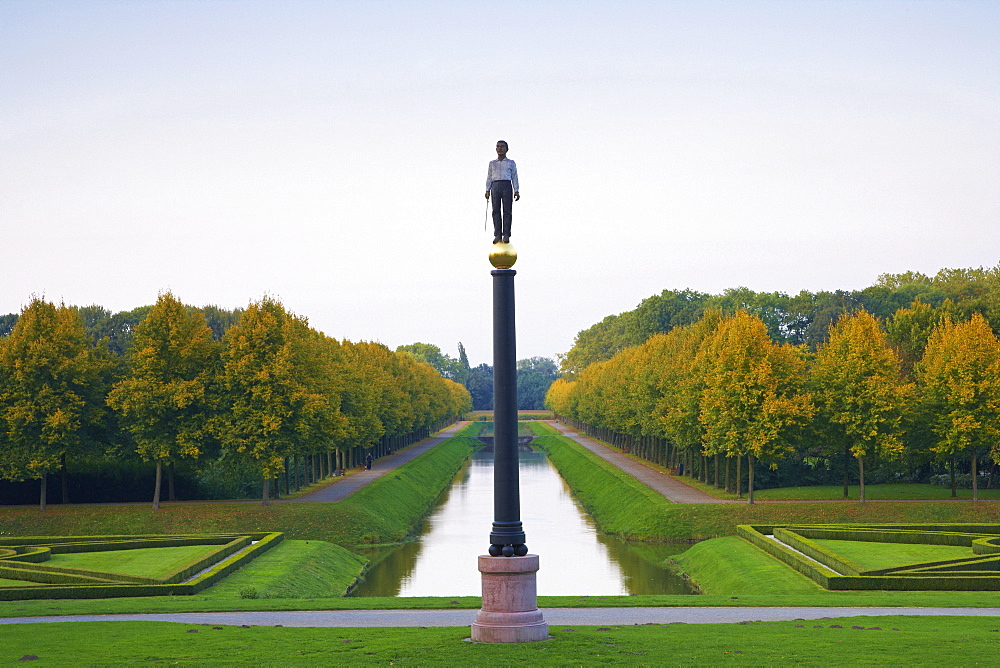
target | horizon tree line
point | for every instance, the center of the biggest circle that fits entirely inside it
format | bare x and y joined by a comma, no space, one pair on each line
173,382
721,387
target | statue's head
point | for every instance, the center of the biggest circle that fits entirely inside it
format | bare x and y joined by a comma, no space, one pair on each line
501,148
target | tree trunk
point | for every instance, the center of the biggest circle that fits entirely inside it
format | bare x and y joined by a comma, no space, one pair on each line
715,470
64,475
954,490
861,478
156,487
975,476
739,477
729,477
171,496
266,498
750,462
42,491
847,471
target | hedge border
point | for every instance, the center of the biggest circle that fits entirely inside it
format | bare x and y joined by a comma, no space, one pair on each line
792,544
236,550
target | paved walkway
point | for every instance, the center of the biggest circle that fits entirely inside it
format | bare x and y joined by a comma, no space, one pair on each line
341,488
554,616
667,485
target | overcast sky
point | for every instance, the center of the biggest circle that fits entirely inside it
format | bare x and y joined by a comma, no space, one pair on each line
333,154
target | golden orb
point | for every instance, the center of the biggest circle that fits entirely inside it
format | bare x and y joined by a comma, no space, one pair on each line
503,255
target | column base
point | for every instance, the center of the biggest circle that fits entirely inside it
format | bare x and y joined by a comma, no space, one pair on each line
510,611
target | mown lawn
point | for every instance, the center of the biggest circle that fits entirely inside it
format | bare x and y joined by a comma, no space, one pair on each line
150,562
889,492
871,556
845,641
292,569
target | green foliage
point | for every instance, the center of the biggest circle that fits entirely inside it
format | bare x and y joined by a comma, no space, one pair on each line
165,401
804,318
52,384
534,376
959,375
480,386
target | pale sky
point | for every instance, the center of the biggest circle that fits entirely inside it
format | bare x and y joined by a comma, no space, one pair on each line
333,154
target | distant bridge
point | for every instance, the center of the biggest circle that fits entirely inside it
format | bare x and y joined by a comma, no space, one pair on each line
523,442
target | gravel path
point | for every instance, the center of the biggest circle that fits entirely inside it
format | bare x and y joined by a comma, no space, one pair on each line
343,487
668,486
554,616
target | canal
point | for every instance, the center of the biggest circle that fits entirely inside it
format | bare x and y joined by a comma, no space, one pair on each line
575,560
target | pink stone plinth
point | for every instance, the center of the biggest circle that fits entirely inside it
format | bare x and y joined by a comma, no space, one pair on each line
510,610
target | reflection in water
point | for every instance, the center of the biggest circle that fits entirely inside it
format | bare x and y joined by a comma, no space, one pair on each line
575,559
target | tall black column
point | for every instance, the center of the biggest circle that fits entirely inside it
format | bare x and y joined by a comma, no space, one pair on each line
507,537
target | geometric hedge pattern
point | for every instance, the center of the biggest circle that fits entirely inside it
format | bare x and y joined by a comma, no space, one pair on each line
795,544
25,558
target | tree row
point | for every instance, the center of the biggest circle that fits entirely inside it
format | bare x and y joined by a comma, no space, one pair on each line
272,393
720,391
804,318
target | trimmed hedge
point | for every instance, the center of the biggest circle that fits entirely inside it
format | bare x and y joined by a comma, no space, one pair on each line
792,545
236,550
811,569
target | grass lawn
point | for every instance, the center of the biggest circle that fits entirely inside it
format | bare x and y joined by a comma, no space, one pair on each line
731,565
150,562
828,642
15,583
871,556
893,492
293,569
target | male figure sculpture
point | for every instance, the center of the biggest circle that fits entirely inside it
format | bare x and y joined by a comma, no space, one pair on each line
501,183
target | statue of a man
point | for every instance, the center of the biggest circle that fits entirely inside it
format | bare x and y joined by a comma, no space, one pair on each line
501,183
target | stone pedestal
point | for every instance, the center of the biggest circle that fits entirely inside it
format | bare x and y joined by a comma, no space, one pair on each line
510,610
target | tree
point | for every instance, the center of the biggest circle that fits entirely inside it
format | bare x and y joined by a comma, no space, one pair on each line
752,400
960,379
534,375
461,366
857,385
681,380
272,404
559,397
480,386
164,402
52,385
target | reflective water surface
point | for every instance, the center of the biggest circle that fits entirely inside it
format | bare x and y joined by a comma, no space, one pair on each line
574,558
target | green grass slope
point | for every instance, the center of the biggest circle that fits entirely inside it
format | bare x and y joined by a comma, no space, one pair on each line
385,511
618,503
293,569
730,565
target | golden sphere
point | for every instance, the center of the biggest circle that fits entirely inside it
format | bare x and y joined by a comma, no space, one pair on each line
503,255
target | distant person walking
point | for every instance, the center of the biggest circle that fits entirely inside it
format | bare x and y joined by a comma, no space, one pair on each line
368,461
501,183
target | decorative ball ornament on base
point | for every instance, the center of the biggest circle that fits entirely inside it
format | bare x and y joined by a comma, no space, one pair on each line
503,255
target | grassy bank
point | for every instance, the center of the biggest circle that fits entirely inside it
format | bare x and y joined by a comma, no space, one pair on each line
293,569
623,507
618,503
845,641
386,511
